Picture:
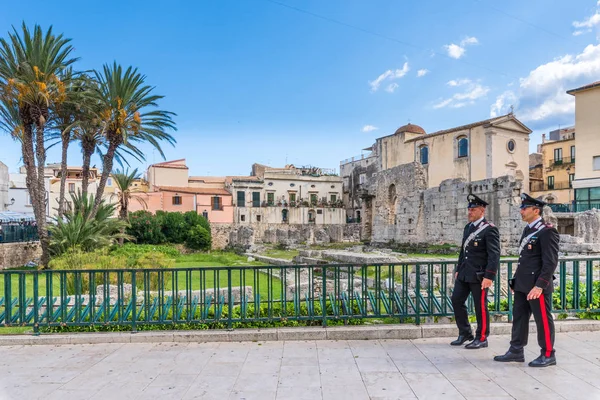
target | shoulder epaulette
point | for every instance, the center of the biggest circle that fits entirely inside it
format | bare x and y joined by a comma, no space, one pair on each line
549,225
492,225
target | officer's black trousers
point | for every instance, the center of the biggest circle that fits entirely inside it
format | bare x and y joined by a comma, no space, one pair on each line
459,298
541,309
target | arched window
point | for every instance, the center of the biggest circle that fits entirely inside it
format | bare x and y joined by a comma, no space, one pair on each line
463,147
424,155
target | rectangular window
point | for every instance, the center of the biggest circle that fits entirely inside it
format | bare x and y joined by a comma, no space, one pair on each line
550,182
571,178
109,182
292,197
596,163
216,203
258,218
242,218
333,198
255,199
71,188
572,153
241,198
557,156
313,198
270,198
362,178
176,200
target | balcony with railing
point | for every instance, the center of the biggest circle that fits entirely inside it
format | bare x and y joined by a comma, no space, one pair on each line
556,162
544,186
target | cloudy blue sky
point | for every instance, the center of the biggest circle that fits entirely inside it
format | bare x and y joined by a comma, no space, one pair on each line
314,81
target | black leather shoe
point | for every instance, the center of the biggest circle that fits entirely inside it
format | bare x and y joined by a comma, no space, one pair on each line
543,361
461,340
510,357
477,344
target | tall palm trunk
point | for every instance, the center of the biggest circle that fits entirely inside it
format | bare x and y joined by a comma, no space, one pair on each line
108,159
40,151
65,138
107,164
88,147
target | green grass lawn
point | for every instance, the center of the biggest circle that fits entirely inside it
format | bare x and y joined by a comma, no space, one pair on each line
284,254
199,279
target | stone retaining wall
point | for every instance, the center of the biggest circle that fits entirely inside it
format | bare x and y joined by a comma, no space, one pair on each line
18,254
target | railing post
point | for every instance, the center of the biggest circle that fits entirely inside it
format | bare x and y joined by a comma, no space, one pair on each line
510,302
229,300
418,293
36,325
324,295
133,303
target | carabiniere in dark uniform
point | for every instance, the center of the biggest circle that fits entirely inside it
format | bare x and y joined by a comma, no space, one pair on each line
479,259
533,286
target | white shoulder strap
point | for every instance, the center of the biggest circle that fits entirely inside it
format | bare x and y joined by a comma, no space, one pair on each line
540,226
477,232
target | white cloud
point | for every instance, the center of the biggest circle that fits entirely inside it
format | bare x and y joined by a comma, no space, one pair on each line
469,40
587,25
369,128
458,82
389,75
422,72
471,92
542,100
391,87
458,50
454,50
503,103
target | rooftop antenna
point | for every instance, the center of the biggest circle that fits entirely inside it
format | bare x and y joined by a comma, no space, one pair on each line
512,109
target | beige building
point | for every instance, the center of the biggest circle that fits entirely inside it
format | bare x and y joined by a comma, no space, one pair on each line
481,150
587,163
553,177
289,195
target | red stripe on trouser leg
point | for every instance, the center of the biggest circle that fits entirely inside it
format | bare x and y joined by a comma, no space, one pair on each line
546,326
483,316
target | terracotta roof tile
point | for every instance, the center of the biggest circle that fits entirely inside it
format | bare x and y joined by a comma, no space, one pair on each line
193,190
585,87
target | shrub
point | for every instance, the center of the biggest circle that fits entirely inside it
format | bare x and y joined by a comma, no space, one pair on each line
198,238
174,227
81,228
145,228
192,219
130,249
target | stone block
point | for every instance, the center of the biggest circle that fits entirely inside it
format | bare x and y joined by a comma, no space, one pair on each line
252,335
399,331
304,333
352,333
210,335
96,338
577,326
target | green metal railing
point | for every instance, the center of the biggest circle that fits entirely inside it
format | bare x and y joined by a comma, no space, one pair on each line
231,295
18,233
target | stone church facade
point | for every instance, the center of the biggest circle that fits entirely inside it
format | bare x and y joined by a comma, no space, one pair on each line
415,187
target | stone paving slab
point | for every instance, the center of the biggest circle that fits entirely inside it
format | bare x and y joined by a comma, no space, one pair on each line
361,332
381,369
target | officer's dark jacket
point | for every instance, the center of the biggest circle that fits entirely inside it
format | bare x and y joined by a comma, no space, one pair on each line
482,254
537,261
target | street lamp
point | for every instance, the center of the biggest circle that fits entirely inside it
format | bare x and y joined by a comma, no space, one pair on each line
12,201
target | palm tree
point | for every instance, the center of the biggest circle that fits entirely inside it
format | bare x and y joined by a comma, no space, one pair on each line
10,122
128,115
66,115
31,64
86,229
126,192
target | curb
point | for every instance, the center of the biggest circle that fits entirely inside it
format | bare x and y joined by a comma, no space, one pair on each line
370,332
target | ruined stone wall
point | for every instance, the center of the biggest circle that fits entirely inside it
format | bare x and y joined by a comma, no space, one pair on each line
220,235
405,211
587,226
248,235
18,254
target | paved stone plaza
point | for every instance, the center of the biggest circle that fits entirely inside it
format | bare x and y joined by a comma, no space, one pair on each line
322,369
